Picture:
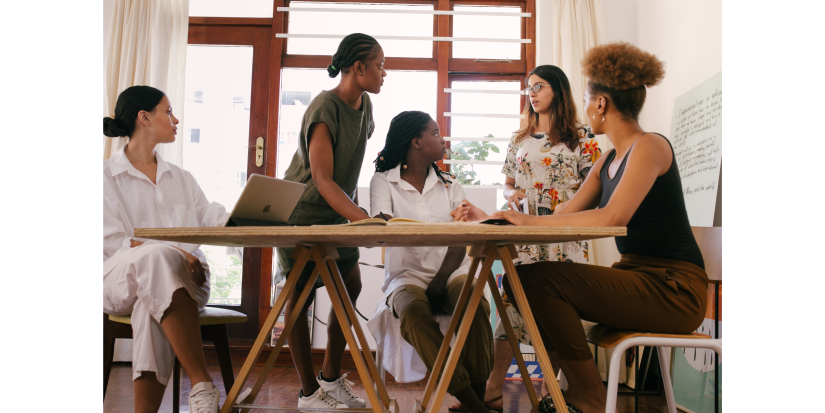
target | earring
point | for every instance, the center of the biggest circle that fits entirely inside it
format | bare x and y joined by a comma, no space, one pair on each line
602,118
405,166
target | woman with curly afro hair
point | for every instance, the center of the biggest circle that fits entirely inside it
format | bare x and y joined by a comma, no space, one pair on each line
659,285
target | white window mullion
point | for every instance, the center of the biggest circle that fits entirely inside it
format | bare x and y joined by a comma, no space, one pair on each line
454,139
481,115
493,92
470,162
385,37
433,12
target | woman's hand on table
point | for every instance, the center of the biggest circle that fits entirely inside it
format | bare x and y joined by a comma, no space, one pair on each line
514,217
468,212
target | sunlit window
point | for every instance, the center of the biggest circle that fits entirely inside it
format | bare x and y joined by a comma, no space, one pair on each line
374,24
402,90
219,161
500,27
484,159
233,8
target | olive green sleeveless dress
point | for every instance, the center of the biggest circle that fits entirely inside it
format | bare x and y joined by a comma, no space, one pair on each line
350,129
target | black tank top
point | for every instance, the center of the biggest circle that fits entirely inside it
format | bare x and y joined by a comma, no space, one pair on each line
660,226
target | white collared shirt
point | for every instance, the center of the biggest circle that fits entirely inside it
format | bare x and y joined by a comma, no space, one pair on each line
131,200
389,194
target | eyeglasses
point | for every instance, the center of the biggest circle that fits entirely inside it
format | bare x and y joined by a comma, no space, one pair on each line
535,88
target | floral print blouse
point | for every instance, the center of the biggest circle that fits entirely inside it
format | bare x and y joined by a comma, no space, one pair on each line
549,175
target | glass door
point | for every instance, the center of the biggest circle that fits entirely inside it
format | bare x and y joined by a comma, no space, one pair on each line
225,112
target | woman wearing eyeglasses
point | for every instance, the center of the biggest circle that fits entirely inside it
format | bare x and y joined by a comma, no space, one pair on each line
547,160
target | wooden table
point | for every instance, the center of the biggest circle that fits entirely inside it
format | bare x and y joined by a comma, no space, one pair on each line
318,243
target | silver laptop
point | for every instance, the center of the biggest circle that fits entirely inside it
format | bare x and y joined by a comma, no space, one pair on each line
265,201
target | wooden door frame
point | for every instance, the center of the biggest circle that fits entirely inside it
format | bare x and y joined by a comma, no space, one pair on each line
255,33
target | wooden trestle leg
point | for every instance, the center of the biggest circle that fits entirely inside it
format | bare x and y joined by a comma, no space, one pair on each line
344,311
302,254
421,405
340,300
279,345
464,329
532,328
508,327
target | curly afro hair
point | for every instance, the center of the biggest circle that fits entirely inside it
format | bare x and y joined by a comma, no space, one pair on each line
622,66
621,71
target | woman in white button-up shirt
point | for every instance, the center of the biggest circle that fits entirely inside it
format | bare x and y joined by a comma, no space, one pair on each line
161,284
422,281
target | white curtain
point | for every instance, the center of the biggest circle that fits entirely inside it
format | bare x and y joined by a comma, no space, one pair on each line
146,45
579,25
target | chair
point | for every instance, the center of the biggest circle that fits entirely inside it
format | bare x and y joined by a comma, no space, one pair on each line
606,337
710,243
213,321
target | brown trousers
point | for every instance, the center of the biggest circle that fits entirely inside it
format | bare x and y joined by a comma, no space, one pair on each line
637,293
410,304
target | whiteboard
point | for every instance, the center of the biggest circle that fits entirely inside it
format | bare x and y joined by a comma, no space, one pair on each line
696,136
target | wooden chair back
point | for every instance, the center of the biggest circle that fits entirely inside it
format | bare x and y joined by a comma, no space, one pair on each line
710,243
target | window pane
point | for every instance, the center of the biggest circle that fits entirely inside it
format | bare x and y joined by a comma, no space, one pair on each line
478,175
216,117
373,24
499,27
234,8
296,84
479,127
402,90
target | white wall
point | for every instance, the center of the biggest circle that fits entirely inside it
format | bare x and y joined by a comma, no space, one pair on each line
621,20
686,35
544,33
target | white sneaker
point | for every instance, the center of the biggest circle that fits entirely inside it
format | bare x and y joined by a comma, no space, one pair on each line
319,400
341,389
204,398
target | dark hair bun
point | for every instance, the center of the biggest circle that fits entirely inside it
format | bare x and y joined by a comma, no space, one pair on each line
112,128
333,71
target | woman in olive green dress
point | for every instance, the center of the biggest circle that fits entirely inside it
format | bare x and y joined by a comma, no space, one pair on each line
334,133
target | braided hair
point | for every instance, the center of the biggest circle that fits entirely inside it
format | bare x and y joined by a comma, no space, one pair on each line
354,47
405,127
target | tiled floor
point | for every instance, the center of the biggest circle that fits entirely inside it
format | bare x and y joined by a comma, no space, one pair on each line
281,389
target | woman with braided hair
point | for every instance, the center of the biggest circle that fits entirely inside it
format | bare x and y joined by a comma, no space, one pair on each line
334,133
420,282
660,284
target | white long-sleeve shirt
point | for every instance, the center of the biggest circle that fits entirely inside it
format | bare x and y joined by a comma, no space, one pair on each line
392,195
131,200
